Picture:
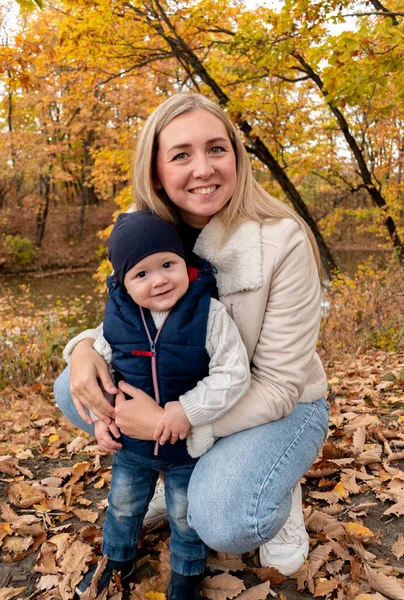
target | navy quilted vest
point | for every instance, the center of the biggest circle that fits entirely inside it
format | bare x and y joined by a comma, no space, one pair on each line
180,353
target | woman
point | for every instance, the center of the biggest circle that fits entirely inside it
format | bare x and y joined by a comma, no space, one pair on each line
191,167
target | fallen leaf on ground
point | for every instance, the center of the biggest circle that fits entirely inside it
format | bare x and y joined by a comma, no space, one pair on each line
221,587
7,592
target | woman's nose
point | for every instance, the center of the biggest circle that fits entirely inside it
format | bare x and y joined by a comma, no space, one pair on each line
203,168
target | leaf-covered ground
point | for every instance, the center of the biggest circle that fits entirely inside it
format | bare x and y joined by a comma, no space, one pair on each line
54,485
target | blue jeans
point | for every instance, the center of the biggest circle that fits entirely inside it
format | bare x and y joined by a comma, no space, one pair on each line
132,487
239,495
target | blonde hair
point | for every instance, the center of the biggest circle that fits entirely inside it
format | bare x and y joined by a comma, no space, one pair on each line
250,202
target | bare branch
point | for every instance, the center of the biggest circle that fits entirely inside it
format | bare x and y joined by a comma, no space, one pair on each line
382,14
290,79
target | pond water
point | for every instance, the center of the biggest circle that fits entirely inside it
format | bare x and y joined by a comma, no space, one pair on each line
47,290
70,289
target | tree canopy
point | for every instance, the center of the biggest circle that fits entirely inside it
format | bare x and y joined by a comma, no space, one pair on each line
315,87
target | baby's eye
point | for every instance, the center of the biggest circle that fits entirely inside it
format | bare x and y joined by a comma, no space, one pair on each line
217,150
180,156
167,265
141,274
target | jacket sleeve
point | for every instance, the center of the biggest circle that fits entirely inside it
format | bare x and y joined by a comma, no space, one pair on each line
229,370
286,346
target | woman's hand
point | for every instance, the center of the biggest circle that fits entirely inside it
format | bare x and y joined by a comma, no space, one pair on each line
138,417
87,369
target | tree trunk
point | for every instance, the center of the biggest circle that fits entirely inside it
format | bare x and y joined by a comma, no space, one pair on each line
86,189
42,213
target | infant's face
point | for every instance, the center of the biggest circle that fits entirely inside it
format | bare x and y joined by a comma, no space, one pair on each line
158,281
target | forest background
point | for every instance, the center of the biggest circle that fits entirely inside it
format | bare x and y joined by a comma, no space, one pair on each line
316,89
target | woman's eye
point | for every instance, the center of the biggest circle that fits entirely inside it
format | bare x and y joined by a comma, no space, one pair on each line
180,156
141,274
217,150
167,265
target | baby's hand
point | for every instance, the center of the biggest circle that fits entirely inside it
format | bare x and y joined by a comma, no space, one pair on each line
173,424
103,431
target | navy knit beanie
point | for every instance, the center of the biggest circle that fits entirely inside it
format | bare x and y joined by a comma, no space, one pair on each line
137,235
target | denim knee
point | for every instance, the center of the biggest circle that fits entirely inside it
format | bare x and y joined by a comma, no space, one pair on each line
61,388
64,400
226,527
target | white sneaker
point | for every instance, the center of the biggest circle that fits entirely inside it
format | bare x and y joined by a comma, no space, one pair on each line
157,508
288,549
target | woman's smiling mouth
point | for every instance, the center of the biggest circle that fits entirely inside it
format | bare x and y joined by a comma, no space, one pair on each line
204,191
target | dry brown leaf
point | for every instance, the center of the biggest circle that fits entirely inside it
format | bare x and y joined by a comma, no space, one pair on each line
46,562
28,524
318,520
397,509
222,586
398,547
323,586
269,574
225,563
348,478
258,592
85,515
76,558
47,582
91,533
16,544
361,421
389,586
359,439
79,469
318,557
61,542
76,445
330,497
23,495
7,513
62,472
8,592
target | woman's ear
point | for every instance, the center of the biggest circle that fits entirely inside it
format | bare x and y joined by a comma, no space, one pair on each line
156,184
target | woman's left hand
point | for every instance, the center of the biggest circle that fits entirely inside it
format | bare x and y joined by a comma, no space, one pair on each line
138,417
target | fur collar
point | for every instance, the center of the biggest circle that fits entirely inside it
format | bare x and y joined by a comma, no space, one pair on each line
238,260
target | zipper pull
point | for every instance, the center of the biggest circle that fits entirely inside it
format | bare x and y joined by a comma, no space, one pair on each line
153,348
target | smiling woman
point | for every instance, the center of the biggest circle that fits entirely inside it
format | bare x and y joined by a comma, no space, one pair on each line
192,169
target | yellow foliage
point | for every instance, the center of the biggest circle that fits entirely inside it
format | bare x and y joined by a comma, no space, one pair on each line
365,311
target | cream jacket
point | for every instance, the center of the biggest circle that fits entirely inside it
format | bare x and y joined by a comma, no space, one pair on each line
268,281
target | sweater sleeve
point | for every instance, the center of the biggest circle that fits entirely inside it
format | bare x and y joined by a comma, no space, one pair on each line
91,334
228,379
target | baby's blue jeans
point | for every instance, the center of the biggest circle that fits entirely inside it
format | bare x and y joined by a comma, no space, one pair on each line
132,487
239,494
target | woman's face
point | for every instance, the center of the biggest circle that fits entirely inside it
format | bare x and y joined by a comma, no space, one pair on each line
196,165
